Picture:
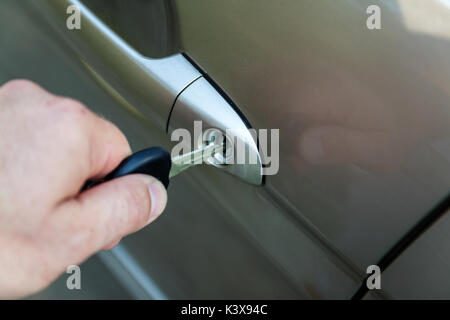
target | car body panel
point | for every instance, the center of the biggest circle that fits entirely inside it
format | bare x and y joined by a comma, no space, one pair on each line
376,99
303,67
193,235
421,272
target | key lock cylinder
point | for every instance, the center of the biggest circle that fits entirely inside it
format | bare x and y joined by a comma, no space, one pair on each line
200,104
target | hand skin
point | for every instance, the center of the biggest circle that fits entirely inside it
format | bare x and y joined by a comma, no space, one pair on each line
49,147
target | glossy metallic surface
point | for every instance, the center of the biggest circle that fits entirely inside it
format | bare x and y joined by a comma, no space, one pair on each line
136,281
153,83
422,272
197,249
364,115
201,102
106,54
199,156
155,20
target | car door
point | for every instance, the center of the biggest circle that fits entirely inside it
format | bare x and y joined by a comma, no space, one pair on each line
363,113
362,116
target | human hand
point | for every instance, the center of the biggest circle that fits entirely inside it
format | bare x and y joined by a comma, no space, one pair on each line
49,147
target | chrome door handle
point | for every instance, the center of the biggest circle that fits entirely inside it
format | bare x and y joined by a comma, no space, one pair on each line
170,91
154,82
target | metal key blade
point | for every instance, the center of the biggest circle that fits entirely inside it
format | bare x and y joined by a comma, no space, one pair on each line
199,156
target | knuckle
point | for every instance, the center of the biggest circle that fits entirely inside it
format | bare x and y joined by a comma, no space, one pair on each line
72,107
72,118
120,141
19,85
74,133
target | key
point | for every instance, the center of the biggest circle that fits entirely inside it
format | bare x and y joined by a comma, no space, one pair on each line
157,162
199,156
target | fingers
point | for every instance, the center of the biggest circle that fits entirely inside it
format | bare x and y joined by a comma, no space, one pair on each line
108,147
101,216
85,144
104,145
112,245
328,145
20,90
54,144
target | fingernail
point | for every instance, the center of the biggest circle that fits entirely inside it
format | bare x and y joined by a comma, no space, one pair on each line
158,198
312,149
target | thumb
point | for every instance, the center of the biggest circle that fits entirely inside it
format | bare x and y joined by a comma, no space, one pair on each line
111,210
373,150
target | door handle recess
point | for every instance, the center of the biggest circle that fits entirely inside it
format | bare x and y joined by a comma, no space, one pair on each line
171,92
